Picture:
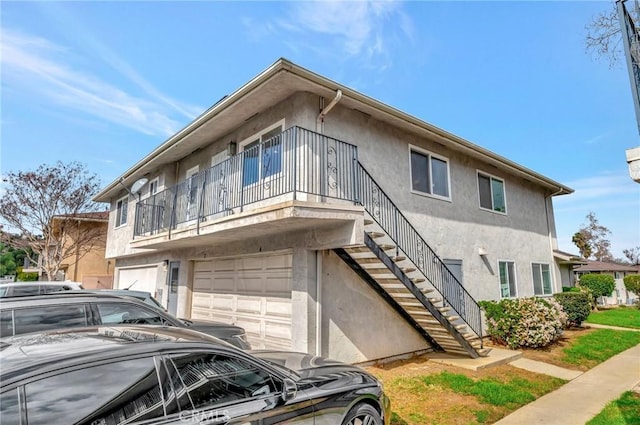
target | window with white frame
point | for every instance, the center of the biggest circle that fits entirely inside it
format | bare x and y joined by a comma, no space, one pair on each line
542,284
262,154
429,173
491,192
153,186
507,271
122,205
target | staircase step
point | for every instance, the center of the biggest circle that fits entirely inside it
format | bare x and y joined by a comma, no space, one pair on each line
358,249
398,258
373,262
460,327
453,318
418,280
386,246
375,235
368,221
434,300
409,269
393,285
404,295
444,309
410,304
484,352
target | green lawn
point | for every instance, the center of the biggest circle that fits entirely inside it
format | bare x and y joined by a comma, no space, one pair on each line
623,411
626,317
600,345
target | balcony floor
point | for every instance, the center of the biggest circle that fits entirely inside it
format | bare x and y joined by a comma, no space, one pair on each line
276,219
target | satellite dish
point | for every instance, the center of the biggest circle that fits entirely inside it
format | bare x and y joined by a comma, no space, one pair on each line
138,185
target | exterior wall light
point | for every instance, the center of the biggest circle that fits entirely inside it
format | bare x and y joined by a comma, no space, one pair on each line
482,252
232,148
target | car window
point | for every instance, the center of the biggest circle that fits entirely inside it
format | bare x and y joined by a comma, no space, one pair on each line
114,393
3,291
44,318
47,289
216,379
6,323
9,407
24,290
117,313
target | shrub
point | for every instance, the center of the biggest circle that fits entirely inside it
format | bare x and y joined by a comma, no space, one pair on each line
570,289
27,276
600,285
577,306
632,283
524,322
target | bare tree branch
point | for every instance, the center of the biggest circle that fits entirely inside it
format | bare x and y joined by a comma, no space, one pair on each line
44,206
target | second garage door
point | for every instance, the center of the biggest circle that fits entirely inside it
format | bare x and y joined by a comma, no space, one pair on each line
252,292
138,279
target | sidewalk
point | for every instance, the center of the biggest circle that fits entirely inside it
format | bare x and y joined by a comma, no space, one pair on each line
581,399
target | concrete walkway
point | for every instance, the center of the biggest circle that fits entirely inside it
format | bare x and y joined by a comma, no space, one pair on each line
617,328
579,400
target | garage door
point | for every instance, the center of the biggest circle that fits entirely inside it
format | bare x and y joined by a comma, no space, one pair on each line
251,292
139,279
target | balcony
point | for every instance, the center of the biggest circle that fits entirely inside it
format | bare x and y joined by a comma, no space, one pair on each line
296,180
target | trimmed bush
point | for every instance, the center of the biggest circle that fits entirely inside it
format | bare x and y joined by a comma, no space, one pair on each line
600,285
577,306
632,283
570,289
26,277
524,322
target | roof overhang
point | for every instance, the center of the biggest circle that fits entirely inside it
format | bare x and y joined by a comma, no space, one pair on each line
278,82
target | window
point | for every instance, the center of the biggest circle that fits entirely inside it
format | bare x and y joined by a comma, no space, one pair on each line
262,155
542,279
121,211
44,318
507,279
116,313
153,186
10,407
429,174
116,393
216,379
491,192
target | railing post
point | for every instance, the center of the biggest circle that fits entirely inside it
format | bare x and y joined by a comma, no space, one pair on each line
172,220
201,206
294,161
356,172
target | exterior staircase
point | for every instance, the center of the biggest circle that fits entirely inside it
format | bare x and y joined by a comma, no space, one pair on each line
396,262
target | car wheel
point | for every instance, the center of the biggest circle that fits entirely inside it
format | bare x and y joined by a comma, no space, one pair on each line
363,414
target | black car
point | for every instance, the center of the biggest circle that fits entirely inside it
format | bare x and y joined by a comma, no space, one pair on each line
161,375
21,315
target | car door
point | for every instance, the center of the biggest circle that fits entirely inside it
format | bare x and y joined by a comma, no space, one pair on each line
228,388
42,318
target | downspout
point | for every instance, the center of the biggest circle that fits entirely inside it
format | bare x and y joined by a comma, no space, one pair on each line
556,270
318,303
326,110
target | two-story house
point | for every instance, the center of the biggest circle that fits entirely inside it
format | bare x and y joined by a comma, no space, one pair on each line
322,220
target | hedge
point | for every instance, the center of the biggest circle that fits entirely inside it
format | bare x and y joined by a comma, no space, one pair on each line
632,283
600,285
577,306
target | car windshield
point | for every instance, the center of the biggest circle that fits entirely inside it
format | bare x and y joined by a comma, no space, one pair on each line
152,301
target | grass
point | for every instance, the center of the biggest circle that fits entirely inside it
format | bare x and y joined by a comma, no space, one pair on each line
626,317
462,399
598,346
623,411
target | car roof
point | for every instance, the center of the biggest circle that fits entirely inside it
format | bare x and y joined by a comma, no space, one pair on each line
42,283
120,292
56,349
62,297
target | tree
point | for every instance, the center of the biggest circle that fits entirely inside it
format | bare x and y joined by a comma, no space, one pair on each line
633,255
600,285
42,206
604,35
591,239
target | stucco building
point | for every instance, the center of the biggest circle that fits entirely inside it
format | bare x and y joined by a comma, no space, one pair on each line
322,220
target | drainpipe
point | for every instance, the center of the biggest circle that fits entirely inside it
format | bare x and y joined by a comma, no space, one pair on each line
326,110
556,271
318,303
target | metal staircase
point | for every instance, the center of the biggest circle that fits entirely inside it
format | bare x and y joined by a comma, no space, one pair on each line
396,262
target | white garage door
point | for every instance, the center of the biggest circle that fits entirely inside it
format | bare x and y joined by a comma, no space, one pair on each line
251,292
139,279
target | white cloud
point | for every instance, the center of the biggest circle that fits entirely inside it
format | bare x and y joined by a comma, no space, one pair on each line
603,189
350,29
42,68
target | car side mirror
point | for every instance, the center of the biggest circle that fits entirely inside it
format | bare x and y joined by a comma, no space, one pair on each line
289,389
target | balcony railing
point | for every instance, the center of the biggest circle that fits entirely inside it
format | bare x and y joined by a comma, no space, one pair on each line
294,162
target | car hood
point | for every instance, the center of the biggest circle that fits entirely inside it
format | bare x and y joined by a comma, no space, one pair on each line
221,330
311,368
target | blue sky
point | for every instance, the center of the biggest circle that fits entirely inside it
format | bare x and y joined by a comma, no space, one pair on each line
106,82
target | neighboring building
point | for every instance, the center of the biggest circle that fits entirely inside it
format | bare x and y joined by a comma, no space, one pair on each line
322,220
620,295
83,237
566,264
